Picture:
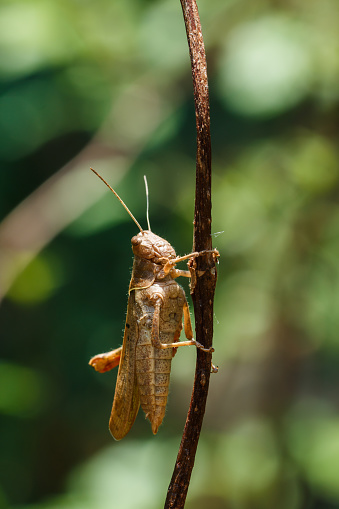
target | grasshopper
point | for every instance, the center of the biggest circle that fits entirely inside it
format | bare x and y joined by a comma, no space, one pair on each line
156,305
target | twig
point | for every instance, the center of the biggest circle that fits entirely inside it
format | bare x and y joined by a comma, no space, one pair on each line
203,286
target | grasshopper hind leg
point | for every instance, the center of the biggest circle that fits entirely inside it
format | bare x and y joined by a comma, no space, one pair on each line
106,361
155,336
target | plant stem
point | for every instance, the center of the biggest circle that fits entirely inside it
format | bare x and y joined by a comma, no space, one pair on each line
204,280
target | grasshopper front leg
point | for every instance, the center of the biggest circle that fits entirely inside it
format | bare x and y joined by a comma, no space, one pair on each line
155,334
170,264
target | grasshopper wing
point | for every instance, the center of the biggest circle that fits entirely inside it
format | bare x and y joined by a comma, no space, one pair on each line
126,398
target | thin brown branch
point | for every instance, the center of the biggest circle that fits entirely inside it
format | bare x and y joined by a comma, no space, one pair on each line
203,285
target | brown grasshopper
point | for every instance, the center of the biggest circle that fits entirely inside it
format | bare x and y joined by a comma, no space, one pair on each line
156,304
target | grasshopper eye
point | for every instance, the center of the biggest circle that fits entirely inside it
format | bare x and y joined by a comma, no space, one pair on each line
135,241
142,247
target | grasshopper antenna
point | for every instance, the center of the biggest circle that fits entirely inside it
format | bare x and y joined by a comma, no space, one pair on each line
116,194
147,201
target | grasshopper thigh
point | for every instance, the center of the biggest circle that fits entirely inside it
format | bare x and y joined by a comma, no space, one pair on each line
187,321
155,334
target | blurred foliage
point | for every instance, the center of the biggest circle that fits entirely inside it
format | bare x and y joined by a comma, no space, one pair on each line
108,84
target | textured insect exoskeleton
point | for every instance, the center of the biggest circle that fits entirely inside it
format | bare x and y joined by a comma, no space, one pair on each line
156,306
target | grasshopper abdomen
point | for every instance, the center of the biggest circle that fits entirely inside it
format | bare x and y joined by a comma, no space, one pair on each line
153,365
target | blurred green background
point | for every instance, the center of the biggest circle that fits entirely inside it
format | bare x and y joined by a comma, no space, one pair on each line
107,84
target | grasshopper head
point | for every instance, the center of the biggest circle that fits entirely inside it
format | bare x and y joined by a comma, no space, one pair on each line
151,247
